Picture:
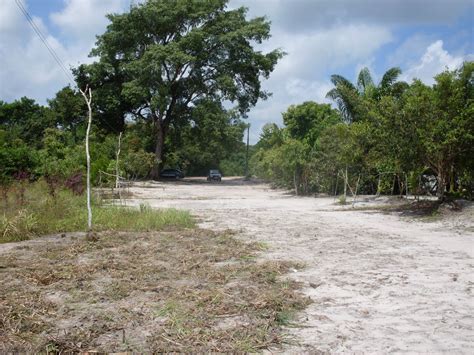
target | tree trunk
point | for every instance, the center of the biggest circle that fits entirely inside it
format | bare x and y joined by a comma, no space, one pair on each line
345,184
160,142
452,183
117,170
295,181
442,181
87,94
378,186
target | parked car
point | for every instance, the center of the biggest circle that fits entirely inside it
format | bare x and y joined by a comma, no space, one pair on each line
214,175
172,174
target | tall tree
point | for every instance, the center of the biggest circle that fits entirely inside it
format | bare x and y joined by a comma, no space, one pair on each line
26,120
307,120
442,116
68,110
164,56
350,98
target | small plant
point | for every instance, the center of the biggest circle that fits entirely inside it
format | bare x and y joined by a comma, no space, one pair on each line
342,200
145,208
20,227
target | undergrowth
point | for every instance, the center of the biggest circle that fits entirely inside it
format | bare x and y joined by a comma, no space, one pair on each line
38,213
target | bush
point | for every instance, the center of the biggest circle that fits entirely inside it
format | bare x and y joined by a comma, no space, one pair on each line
138,164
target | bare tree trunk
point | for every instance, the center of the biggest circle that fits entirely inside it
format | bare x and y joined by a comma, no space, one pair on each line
117,179
452,181
378,186
345,184
356,189
88,98
295,182
442,180
406,186
160,142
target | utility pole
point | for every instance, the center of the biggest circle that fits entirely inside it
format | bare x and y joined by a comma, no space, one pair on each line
247,154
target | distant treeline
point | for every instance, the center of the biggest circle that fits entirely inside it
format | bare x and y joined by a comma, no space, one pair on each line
383,138
48,141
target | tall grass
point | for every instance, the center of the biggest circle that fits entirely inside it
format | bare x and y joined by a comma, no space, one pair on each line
42,214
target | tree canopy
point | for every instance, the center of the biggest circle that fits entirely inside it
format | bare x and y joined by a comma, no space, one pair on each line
393,136
161,59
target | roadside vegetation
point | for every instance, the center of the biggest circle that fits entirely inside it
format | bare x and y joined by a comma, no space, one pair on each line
28,211
387,138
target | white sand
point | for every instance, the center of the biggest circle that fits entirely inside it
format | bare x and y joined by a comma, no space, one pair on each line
380,283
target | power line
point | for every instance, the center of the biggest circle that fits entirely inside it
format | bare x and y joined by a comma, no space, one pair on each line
52,51
45,41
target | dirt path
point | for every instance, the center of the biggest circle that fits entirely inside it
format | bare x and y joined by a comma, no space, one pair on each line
379,283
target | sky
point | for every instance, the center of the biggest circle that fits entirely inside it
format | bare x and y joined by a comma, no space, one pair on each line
320,37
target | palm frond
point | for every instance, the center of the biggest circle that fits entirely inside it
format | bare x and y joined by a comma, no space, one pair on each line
338,80
389,78
364,81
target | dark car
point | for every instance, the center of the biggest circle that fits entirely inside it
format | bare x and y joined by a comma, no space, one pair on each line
214,175
172,174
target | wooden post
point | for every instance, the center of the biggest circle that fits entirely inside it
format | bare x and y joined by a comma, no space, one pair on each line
87,94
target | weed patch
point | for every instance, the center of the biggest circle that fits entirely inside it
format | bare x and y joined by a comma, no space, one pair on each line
41,214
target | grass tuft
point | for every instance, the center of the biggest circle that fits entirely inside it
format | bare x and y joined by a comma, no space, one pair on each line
41,214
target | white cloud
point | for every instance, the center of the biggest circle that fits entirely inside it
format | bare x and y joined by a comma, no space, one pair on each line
302,15
26,66
83,19
316,52
302,75
9,19
434,60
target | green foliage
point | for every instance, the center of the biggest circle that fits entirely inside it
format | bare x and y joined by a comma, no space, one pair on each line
41,214
57,159
160,59
26,120
288,156
354,102
306,121
214,135
138,164
15,157
394,134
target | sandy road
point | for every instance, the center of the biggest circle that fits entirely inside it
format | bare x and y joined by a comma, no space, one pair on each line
380,283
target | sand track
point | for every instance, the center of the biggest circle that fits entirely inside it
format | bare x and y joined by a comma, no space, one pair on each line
380,283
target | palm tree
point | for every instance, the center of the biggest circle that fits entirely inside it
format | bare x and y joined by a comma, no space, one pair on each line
349,98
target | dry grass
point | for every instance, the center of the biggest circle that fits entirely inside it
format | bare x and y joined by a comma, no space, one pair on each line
178,291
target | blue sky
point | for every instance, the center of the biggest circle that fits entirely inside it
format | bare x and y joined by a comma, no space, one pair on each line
322,37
